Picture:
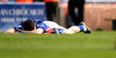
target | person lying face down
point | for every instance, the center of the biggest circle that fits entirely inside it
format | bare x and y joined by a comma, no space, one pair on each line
47,27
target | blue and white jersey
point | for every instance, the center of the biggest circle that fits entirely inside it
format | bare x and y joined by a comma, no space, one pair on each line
44,25
49,24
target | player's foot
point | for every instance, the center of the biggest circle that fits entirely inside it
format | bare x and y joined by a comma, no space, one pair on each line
88,30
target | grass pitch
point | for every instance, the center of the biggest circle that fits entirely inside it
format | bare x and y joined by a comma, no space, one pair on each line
95,45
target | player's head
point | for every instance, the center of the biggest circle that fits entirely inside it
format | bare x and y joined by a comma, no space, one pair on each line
28,25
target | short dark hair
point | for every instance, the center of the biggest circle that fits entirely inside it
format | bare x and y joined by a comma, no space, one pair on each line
28,25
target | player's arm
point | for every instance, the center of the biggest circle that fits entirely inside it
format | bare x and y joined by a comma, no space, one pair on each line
36,31
11,30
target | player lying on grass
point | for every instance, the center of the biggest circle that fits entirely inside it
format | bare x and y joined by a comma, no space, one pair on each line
47,27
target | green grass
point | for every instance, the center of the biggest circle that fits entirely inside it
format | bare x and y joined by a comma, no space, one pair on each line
95,45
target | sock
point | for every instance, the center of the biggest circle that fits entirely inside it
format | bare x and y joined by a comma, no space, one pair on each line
82,28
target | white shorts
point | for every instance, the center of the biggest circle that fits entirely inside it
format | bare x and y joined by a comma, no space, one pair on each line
53,25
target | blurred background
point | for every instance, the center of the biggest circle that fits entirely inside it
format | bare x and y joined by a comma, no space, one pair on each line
99,14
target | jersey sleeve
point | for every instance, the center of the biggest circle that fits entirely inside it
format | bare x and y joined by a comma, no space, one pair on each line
18,28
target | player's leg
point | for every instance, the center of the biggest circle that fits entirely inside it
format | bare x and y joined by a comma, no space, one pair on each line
75,29
80,16
71,11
